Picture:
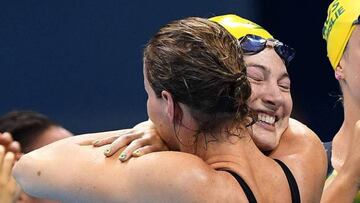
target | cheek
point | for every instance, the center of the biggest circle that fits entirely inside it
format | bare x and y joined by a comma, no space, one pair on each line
154,110
288,104
355,75
150,109
255,93
147,107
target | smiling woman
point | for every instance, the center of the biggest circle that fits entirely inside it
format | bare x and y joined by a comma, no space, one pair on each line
270,99
197,100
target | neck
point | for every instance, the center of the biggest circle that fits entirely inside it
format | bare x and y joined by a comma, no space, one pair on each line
227,150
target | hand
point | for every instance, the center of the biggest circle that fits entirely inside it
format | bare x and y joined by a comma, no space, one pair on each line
8,187
7,141
140,140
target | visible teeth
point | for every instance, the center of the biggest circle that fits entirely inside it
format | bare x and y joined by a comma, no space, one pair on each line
266,118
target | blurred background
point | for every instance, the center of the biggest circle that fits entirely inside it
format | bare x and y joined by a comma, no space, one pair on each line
80,61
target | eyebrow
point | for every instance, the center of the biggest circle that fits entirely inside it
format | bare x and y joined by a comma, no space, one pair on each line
267,70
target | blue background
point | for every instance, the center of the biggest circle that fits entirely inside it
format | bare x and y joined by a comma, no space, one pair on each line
80,61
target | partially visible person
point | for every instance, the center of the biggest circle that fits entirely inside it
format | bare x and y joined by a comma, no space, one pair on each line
274,133
32,130
342,34
198,95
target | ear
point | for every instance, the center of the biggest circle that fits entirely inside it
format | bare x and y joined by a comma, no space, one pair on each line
339,71
169,105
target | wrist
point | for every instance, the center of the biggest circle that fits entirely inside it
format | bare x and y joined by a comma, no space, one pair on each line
350,175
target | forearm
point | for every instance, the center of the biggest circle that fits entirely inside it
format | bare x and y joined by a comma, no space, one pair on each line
343,188
38,173
59,170
345,185
70,171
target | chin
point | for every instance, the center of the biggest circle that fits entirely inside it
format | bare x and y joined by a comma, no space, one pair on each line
265,143
266,147
265,140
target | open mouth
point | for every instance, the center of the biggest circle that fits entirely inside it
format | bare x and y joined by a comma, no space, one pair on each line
267,119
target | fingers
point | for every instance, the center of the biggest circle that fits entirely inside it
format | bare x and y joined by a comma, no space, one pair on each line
14,147
104,141
8,187
2,156
5,139
121,142
9,144
132,147
145,150
109,140
6,168
6,162
357,127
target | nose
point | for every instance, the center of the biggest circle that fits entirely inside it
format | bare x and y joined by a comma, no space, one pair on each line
273,97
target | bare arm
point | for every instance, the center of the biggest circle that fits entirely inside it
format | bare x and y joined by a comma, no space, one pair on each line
344,187
71,170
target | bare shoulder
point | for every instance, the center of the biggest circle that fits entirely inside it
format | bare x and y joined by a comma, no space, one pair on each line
301,137
300,142
187,178
299,129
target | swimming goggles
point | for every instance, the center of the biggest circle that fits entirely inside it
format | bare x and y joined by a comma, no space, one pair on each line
253,44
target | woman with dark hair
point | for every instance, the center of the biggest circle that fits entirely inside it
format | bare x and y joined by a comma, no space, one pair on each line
276,134
197,87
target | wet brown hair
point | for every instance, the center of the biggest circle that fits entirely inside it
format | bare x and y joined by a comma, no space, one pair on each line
201,65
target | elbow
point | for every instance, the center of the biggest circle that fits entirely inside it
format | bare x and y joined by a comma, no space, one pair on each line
26,175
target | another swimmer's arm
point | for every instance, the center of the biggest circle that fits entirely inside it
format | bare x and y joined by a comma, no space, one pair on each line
70,172
346,184
343,188
46,172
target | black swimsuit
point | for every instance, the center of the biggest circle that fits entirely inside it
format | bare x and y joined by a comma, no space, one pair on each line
328,149
295,195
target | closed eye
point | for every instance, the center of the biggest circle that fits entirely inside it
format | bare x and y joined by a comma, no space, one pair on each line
285,86
255,78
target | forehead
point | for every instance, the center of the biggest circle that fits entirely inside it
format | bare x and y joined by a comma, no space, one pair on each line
355,37
268,59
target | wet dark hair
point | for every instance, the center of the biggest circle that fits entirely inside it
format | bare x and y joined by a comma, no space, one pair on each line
201,65
25,126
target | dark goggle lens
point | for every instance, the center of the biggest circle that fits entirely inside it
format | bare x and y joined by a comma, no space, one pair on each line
252,44
356,22
285,52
